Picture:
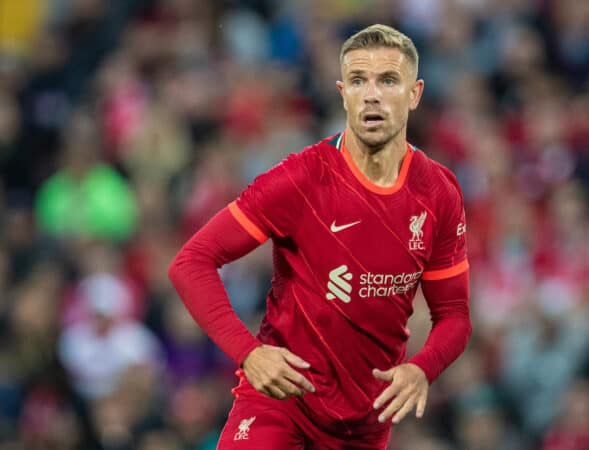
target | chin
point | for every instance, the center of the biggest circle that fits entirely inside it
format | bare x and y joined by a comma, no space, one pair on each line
374,139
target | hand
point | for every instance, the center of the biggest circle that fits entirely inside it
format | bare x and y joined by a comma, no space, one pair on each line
270,371
409,387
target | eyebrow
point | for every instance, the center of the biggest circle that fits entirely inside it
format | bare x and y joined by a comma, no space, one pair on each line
387,73
356,72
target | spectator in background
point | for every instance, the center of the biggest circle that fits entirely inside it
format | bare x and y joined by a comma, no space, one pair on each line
96,352
134,407
17,36
10,123
189,353
570,430
158,148
481,423
543,353
85,198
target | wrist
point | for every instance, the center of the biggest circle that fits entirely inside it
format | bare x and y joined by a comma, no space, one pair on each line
423,368
247,351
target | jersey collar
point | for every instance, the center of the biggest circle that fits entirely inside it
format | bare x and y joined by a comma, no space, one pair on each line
340,144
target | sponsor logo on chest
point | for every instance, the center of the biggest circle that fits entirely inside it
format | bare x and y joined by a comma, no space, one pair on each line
370,285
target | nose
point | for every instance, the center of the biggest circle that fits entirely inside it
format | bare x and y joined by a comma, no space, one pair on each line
372,93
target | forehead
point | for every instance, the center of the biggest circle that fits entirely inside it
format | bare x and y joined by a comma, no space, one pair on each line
377,60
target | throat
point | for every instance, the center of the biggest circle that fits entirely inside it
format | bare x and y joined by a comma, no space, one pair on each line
379,169
380,166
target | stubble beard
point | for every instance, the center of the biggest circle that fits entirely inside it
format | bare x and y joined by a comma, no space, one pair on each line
375,143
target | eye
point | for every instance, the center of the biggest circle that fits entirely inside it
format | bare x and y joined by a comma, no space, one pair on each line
389,81
356,81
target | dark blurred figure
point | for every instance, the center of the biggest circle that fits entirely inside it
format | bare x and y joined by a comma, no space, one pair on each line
570,430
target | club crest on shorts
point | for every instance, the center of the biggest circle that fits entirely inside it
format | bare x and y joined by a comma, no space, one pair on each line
244,429
415,226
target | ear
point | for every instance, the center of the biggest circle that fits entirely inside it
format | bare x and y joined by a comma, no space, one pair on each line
415,94
340,88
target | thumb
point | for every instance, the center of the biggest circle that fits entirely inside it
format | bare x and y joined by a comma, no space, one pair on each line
294,360
384,375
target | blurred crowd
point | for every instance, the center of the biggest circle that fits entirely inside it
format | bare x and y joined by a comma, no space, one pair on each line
125,124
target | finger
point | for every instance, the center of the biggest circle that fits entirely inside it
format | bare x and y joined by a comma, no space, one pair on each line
275,392
301,380
421,402
384,375
405,409
295,360
398,402
391,391
263,390
289,389
393,406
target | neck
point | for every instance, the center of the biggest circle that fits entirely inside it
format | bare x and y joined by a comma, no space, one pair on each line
382,165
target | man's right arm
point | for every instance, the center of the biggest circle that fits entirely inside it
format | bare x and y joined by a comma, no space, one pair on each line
196,279
194,275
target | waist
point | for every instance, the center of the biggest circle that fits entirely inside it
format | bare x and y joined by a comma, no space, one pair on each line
337,418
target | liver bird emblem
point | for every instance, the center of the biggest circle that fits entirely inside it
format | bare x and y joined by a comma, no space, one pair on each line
244,428
416,225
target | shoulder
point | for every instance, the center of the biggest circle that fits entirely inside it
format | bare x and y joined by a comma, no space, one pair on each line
317,152
310,163
274,198
433,178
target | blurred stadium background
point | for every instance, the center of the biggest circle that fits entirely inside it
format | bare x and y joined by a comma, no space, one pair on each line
125,124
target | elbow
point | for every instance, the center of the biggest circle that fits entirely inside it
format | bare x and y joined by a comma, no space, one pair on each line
179,265
192,258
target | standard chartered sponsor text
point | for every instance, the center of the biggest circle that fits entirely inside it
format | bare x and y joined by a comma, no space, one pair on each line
386,284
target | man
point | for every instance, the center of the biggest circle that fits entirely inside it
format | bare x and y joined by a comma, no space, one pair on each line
357,221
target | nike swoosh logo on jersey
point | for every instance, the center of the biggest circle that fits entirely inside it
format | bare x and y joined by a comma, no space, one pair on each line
335,228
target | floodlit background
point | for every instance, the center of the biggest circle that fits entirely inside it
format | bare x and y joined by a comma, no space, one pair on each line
125,124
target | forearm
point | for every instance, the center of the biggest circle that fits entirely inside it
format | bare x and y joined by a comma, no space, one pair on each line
451,330
195,276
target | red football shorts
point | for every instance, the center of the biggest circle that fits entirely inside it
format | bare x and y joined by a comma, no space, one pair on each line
258,422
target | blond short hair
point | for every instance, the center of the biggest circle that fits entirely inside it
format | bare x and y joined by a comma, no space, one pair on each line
379,35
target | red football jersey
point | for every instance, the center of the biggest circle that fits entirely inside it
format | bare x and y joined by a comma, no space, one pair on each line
348,257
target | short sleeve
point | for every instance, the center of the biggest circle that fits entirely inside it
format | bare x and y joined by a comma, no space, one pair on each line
270,205
449,256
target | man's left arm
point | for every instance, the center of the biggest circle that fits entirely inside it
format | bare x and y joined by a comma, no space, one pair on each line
451,328
445,284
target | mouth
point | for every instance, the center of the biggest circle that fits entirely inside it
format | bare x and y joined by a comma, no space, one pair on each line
371,119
